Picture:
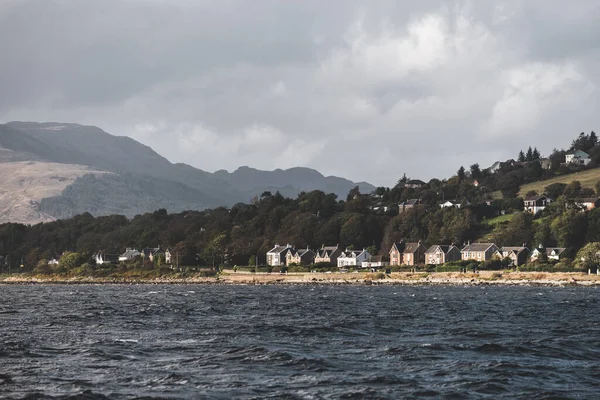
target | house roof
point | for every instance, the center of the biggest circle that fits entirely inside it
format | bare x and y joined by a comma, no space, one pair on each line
415,182
348,253
304,251
555,250
478,247
578,153
279,249
589,200
515,249
130,253
535,198
444,248
411,247
375,259
410,202
398,245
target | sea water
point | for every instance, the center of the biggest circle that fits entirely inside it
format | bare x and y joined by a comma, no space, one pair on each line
301,342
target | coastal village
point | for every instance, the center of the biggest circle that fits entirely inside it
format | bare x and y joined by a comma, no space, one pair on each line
408,254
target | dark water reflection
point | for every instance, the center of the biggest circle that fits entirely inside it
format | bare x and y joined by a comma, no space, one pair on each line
301,342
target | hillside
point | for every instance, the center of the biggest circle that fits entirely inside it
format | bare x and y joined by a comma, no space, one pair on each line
588,179
141,180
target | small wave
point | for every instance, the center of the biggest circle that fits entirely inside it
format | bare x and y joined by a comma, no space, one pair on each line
127,340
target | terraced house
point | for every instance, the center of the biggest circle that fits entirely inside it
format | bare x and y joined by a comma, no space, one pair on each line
441,254
299,257
328,254
517,255
480,251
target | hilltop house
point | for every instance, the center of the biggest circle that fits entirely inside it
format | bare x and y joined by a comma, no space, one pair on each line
129,254
414,183
577,157
328,254
535,204
396,253
352,258
374,262
299,257
479,251
517,255
441,254
552,253
545,163
276,256
453,203
102,258
413,254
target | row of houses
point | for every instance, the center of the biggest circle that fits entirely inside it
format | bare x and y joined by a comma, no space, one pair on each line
150,253
409,254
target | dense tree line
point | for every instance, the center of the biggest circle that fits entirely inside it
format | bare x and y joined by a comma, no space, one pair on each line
243,233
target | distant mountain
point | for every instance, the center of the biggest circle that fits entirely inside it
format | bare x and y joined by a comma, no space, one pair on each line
107,174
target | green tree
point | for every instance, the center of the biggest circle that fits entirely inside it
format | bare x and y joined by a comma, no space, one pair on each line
529,154
475,171
569,229
555,190
588,256
70,260
573,190
543,234
536,154
521,157
461,174
252,261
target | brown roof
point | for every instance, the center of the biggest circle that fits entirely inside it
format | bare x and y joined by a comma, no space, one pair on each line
411,247
376,259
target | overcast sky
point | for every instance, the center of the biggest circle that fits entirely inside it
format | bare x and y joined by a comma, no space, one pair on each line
363,90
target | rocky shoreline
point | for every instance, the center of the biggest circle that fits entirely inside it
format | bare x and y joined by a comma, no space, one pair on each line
484,278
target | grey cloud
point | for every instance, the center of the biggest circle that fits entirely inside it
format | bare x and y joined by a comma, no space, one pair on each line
362,91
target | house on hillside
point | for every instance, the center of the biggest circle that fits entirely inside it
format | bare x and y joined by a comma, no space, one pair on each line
453,204
103,258
552,253
129,254
577,157
169,256
54,261
413,254
299,257
352,258
441,254
328,254
535,204
476,183
396,253
517,255
375,262
414,183
545,163
479,251
408,204
276,256
588,204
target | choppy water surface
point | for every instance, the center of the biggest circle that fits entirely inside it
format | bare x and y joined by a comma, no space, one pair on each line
298,342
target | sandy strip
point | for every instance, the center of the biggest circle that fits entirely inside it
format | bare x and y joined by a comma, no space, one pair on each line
494,278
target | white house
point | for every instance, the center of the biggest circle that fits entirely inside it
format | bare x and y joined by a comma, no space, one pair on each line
553,253
375,262
276,256
578,157
535,204
129,254
102,258
352,258
449,203
53,261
